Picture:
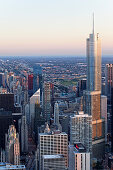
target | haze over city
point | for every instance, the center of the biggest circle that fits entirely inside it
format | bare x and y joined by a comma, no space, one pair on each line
53,27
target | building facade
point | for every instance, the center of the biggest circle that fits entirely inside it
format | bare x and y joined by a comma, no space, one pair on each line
12,146
79,158
53,143
81,130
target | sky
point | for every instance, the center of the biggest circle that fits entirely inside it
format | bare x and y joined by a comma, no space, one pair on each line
53,27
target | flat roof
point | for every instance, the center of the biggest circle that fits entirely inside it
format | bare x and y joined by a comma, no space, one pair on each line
52,156
4,165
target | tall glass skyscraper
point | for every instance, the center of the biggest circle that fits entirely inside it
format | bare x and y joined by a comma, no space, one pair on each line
37,79
94,62
92,97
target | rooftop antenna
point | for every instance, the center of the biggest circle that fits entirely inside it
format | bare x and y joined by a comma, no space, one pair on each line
93,22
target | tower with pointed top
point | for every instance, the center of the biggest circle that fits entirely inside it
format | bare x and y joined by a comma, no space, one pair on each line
92,96
93,61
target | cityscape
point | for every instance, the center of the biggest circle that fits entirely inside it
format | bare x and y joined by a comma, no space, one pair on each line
56,102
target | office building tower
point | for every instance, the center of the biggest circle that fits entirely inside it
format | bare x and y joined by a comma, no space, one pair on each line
104,113
81,130
79,158
6,119
7,101
92,97
6,78
47,101
112,120
81,86
92,106
93,62
56,114
64,121
108,80
24,135
37,78
12,146
56,162
53,143
2,80
39,120
27,113
33,100
30,85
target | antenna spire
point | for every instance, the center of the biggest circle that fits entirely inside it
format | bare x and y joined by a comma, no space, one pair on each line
93,22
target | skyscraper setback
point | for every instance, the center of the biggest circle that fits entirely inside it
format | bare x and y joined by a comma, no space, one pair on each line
92,97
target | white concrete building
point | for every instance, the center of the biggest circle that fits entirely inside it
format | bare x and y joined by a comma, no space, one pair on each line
81,130
79,159
53,143
52,162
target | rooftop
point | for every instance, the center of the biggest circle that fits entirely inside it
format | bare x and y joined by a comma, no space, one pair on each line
52,156
4,165
79,147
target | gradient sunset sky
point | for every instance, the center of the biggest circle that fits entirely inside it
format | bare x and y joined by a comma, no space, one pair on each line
53,27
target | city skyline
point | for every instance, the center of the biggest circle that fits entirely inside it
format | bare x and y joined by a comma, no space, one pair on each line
53,27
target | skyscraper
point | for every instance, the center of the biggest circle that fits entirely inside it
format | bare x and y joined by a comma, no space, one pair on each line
24,135
81,130
47,101
37,78
53,143
33,100
56,114
93,62
12,146
92,97
79,158
30,85
109,80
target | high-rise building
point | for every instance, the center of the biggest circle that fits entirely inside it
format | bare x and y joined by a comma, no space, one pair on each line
92,97
112,120
104,113
37,78
39,120
92,104
79,158
56,162
5,120
47,101
56,114
93,62
108,80
27,113
7,101
12,146
81,86
35,98
24,135
30,85
81,130
53,143
2,80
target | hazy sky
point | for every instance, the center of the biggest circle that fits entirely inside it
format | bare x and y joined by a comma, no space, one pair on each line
53,27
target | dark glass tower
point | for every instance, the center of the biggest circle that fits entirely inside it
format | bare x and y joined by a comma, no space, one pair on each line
37,79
